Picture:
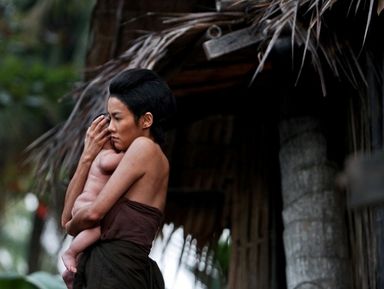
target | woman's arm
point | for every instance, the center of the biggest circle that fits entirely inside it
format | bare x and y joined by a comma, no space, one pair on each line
74,189
97,134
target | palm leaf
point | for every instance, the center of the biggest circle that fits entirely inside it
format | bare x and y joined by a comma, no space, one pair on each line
55,153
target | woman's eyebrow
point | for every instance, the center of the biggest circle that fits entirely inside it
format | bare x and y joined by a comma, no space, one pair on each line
115,113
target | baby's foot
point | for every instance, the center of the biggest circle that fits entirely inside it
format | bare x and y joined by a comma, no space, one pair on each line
68,278
69,261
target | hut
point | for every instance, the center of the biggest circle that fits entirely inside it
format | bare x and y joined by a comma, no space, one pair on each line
273,97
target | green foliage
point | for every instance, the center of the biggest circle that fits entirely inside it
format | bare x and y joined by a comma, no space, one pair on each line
12,281
42,48
23,78
212,270
35,86
29,105
38,67
37,280
32,86
15,228
223,255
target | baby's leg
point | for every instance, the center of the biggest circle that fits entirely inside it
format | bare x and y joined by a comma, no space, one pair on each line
68,278
83,240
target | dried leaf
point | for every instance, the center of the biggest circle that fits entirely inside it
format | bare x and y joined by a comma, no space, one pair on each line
55,154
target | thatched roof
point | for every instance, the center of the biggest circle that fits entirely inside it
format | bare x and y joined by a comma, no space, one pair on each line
328,35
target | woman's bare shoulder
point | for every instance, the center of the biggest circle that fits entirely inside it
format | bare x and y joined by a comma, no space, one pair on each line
145,144
142,140
146,149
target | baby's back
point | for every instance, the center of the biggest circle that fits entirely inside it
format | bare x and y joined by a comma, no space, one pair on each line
101,169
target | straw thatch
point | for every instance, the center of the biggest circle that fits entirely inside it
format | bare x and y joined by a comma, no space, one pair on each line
328,35
56,152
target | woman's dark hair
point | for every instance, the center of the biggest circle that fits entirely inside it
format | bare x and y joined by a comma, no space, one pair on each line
142,90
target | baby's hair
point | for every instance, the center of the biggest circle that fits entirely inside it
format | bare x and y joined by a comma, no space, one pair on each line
100,114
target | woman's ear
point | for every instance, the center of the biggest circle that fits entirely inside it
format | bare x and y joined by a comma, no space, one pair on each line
147,120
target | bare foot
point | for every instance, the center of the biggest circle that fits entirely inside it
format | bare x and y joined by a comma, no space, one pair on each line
69,261
68,278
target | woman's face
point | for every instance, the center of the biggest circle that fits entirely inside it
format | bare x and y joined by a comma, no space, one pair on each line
122,126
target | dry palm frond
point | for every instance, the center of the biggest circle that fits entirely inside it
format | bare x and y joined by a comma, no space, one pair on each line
55,154
308,23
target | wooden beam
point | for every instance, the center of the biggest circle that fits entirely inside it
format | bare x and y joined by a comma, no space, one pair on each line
230,42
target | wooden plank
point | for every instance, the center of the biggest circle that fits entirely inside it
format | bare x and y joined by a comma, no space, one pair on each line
230,42
216,73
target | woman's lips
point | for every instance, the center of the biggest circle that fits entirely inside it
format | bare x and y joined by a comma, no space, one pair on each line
114,139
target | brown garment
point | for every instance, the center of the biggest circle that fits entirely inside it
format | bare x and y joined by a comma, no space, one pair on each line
120,259
117,265
132,221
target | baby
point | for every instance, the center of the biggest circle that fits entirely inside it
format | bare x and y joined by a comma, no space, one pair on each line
100,171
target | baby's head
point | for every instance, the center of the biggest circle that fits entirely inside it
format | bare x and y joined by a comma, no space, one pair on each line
108,145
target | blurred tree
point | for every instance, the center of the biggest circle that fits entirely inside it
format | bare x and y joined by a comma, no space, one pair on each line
42,46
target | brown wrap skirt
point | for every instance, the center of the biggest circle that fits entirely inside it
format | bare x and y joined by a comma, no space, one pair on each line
117,264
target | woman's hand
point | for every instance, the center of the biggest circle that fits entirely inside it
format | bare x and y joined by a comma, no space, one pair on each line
83,219
95,138
67,228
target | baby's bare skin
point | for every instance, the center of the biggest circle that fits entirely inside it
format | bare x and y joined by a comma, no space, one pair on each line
99,173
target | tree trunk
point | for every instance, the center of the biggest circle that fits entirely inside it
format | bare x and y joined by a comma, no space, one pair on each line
315,238
35,249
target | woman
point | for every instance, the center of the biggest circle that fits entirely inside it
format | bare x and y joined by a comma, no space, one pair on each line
130,206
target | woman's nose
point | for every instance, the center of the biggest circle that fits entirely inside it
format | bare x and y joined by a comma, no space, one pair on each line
110,126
